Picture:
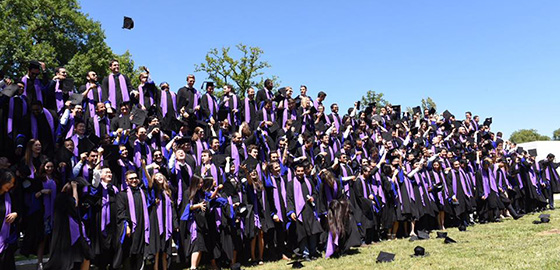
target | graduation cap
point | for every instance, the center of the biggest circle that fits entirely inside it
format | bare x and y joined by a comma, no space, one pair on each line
416,110
544,216
175,124
519,150
236,266
63,155
487,136
532,152
33,64
420,252
457,124
313,110
183,140
385,257
278,96
111,153
10,90
487,121
76,99
423,235
91,142
128,23
447,114
378,118
387,136
432,110
414,130
441,234
296,264
82,182
471,156
208,84
138,116
68,85
153,110
448,240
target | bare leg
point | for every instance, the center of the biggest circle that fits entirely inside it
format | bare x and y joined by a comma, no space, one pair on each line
156,261
40,251
253,242
413,227
234,260
195,260
261,245
441,218
394,230
85,265
164,260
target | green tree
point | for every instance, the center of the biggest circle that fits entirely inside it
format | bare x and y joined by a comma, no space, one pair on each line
55,32
241,73
428,103
556,135
373,97
527,135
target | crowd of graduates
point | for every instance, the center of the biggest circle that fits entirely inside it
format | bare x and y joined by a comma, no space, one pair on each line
117,176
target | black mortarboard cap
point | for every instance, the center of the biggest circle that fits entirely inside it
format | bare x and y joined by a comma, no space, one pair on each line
387,136
63,155
183,140
487,121
82,182
396,108
278,96
419,251
532,152
94,140
34,64
377,118
544,216
457,124
10,90
487,136
138,116
471,156
175,124
207,83
76,99
441,234
416,110
432,110
488,146
128,23
385,257
414,130
519,150
448,240
447,114
68,85
368,110
111,152
296,264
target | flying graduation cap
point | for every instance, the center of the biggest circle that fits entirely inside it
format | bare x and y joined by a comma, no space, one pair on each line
128,23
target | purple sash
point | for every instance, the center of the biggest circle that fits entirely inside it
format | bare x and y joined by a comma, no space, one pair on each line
168,217
113,91
74,230
38,87
463,184
331,193
248,110
547,171
277,196
298,196
141,95
180,180
138,153
5,232
48,200
132,210
211,104
96,125
106,207
50,120
163,102
58,96
331,245
91,100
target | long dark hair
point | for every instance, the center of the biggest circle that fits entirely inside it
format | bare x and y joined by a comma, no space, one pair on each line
338,216
193,187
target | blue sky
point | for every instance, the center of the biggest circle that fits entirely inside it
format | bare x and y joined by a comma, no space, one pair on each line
494,58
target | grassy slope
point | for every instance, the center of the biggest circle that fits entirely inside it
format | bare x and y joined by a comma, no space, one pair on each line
507,245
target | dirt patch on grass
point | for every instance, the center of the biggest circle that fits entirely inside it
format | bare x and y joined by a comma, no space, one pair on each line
549,232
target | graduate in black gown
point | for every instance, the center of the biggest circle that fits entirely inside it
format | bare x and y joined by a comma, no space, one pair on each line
69,246
301,210
343,232
133,222
8,221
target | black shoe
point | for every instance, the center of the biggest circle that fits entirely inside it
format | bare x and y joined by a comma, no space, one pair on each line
518,217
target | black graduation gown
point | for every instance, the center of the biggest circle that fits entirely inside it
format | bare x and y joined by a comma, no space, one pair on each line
368,220
391,211
107,241
554,181
63,254
185,98
309,224
464,203
158,243
118,89
135,244
7,260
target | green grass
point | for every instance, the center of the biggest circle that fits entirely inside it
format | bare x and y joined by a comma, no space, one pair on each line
511,244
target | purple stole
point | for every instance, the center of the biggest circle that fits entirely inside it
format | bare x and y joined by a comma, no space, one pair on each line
113,91
331,244
234,100
11,112
163,102
5,232
418,181
277,196
132,210
331,193
408,185
91,99
440,180
105,206
298,196
76,141
96,125
336,121
463,184
502,171
235,155
76,230
58,96
288,115
199,147
518,177
48,200
212,106
377,189
38,88
547,173
345,184
533,176
265,115
330,150
180,180
50,120
141,95
248,110
168,216
138,153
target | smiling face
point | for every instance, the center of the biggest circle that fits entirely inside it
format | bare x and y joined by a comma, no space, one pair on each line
7,186
106,175
132,179
114,67
49,168
37,147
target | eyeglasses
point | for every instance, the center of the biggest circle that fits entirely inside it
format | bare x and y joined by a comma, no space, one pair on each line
133,178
